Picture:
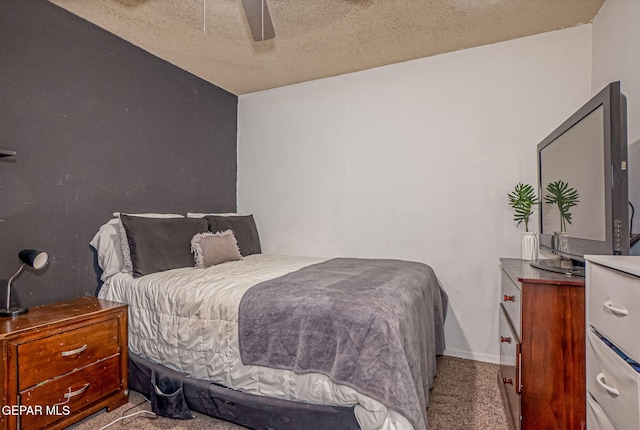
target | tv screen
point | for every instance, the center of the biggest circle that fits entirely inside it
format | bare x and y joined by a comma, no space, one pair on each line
582,173
577,159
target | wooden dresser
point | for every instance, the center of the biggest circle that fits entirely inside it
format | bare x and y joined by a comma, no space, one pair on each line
62,362
542,348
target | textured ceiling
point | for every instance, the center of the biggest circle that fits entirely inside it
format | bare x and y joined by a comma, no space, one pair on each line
319,38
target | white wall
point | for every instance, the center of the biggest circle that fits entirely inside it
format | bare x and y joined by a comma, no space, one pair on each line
413,161
616,57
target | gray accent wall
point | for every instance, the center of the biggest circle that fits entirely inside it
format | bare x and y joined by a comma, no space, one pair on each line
99,126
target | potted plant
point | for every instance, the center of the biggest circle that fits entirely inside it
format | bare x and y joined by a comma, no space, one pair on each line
564,197
523,200
560,194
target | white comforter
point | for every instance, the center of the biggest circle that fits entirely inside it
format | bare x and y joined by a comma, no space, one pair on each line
187,319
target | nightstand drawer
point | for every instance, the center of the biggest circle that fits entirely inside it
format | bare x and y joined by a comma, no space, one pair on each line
70,393
613,383
614,307
61,353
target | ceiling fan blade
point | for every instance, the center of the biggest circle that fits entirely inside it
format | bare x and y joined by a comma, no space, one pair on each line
259,19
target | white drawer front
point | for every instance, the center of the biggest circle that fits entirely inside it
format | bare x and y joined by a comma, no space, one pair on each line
614,307
608,373
596,418
510,299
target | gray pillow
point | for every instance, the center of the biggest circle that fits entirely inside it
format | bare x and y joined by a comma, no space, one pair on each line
127,266
210,249
243,227
159,244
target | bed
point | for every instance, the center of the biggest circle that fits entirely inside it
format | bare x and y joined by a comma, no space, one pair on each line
340,332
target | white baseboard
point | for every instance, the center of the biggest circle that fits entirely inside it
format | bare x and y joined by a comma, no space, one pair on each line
487,358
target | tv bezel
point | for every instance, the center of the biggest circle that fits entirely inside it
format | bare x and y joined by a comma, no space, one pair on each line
615,173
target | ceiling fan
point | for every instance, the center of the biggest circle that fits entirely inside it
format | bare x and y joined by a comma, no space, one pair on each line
259,19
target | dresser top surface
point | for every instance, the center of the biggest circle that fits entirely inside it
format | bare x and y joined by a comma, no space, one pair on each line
522,271
624,263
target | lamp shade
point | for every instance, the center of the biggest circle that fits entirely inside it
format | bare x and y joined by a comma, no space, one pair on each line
29,257
34,258
6,153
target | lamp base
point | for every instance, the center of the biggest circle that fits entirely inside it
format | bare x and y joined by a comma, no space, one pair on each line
13,311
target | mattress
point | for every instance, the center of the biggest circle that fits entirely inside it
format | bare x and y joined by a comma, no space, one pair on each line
187,320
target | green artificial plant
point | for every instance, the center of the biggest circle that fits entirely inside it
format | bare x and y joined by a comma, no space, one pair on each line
522,200
560,194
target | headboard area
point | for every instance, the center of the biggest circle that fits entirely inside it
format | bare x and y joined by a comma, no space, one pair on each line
98,125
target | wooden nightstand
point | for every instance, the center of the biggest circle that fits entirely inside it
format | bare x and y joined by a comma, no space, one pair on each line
62,362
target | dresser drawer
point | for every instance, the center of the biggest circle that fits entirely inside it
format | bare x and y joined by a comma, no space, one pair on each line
596,418
510,366
510,298
607,372
71,392
56,355
614,307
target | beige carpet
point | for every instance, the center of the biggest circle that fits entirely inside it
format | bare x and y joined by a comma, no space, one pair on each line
465,397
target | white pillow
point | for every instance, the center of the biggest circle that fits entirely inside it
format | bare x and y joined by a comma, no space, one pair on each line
106,242
150,215
202,215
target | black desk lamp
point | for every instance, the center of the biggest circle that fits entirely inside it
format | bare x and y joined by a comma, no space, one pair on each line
29,257
6,153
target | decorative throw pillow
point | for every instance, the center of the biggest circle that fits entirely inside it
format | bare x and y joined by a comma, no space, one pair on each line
158,244
243,227
210,248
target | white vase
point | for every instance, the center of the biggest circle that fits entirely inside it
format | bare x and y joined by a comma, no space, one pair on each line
559,241
530,245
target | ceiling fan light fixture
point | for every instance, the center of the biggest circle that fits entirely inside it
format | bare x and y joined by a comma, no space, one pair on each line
259,19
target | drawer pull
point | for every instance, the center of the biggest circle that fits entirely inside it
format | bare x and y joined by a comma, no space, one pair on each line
71,394
610,389
507,298
616,311
505,339
74,351
507,381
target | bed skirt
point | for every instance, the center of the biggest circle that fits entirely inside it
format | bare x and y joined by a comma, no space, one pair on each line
174,394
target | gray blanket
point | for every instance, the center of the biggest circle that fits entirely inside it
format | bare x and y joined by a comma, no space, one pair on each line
373,325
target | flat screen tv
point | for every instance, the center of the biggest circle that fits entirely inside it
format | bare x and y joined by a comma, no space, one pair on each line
586,154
